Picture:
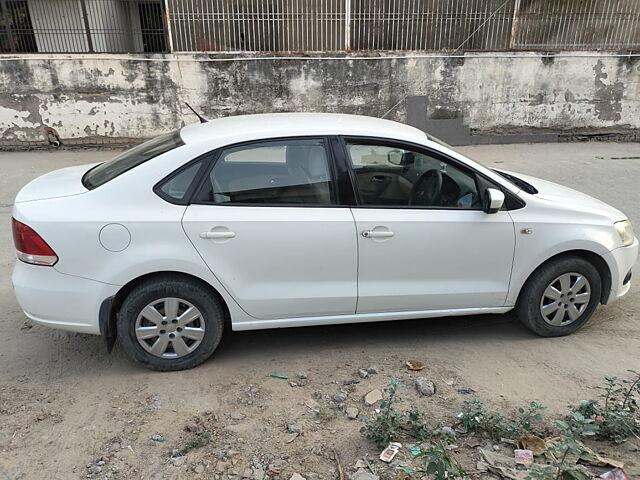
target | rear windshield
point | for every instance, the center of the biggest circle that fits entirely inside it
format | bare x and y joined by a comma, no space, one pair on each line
101,174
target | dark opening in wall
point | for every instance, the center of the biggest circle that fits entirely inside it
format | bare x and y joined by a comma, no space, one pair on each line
152,26
16,29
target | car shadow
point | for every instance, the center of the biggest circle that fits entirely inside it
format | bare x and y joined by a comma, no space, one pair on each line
402,334
248,349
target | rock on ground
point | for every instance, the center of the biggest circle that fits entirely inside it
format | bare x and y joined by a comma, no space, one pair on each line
372,397
340,397
294,428
425,386
363,475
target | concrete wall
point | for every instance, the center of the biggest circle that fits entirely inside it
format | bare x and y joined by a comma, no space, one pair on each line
465,99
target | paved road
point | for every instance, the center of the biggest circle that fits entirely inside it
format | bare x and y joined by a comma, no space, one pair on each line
493,354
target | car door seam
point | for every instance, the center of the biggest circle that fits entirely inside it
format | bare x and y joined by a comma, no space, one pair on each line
209,268
357,237
513,258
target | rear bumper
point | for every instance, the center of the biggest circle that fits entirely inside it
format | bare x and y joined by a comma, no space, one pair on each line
58,300
621,261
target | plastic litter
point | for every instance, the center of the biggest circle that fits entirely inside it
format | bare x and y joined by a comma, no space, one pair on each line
415,451
523,457
279,375
391,451
615,474
405,469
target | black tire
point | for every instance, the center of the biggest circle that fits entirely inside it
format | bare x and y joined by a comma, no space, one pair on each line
212,313
528,308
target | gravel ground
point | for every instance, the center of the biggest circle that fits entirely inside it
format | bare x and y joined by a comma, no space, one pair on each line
70,410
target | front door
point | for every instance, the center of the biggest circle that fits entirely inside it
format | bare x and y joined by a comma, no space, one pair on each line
424,242
267,225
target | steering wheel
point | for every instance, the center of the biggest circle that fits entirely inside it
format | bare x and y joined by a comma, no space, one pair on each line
427,189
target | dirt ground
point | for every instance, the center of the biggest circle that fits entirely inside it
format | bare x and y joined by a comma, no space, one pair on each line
70,410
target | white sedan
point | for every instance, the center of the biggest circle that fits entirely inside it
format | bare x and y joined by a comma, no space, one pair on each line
285,220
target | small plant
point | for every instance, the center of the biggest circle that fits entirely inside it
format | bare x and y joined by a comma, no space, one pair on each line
198,440
562,465
529,417
477,417
416,425
385,427
587,408
473,416
438,462
615,419
577,425
620,407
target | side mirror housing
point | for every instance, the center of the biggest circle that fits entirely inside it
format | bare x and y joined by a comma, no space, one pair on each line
494,200
395,157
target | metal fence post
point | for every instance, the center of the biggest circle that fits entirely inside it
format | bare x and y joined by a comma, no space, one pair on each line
167,22
514,25
347,25
85,18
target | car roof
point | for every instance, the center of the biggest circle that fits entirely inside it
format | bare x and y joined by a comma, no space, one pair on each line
227,130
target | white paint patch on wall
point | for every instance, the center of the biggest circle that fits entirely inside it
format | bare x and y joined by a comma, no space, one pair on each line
16,123
122,118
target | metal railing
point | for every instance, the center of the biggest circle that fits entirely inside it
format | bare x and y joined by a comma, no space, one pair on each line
317,25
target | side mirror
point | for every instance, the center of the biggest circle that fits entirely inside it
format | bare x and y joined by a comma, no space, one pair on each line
494,199
395,157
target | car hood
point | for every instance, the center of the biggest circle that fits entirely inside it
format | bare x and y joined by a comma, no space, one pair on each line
59,183
569,198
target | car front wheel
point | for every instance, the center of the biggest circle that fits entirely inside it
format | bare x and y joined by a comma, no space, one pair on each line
170,324
560,297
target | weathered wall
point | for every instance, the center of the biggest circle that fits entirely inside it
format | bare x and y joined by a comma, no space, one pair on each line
107,98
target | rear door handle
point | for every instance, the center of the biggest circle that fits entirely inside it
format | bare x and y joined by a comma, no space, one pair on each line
218,234
377,234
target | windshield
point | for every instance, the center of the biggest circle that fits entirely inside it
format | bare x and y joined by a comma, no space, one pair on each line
440,142
518,182
101,174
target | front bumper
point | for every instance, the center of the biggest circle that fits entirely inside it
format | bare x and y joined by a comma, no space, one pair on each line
59,300
621,261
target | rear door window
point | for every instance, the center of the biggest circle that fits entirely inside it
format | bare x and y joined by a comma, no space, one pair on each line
101,174
287,172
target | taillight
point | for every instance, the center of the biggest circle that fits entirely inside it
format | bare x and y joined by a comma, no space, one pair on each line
30,246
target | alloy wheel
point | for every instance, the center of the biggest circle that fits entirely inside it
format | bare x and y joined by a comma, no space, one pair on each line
170,327
565,299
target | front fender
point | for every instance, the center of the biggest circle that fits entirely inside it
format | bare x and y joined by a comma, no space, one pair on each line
527,261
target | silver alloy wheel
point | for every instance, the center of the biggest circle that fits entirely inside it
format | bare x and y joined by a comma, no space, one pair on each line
170,328
565,299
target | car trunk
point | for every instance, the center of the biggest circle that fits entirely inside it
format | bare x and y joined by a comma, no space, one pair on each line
59,183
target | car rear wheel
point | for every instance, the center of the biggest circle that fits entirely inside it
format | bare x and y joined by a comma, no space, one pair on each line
560,297
170,324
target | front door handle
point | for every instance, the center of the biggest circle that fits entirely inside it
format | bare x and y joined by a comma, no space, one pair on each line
217,234
377,234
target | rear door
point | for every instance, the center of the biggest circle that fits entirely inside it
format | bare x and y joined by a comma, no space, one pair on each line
268,224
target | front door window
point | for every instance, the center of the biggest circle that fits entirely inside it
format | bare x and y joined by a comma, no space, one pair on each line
391,176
